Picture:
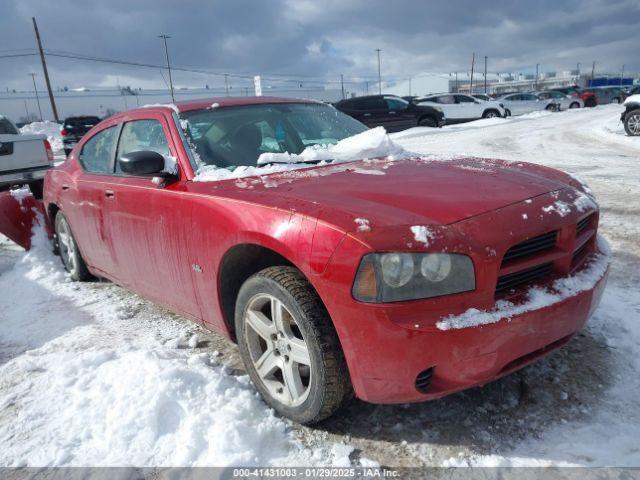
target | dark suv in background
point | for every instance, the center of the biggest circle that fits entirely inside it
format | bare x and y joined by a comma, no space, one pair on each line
391,112
74,128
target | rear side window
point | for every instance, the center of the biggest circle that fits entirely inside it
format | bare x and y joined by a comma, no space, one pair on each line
140,135
464,99
6,127
369,104
97,153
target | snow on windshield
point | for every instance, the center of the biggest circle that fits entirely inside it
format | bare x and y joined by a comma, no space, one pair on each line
374,143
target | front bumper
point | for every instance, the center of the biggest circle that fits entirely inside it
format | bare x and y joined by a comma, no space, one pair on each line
467,357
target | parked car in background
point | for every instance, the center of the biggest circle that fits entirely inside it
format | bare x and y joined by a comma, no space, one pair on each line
606,95
588,97
634,90
24,159
459,108
391,112
631,115
74,128
332,281
564,101
521,103
482,96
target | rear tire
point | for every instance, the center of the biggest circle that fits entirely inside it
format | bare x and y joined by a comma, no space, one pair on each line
590,102
507,112
552,107
427,122
632,123
574,105
491,114
65,244
293,356
615,100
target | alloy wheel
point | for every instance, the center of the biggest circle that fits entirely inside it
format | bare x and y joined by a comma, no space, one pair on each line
278,350
67,245
633,123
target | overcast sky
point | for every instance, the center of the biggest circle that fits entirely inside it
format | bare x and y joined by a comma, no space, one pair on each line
319,38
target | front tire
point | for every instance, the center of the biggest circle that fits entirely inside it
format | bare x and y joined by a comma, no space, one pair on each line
66,245
427,122
574,105
632,123
289,346
490,114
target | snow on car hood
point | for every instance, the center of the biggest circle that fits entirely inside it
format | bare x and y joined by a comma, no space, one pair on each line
374,143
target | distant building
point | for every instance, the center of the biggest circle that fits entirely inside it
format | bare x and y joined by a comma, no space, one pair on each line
507,83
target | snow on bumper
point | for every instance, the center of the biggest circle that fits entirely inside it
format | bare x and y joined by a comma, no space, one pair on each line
563,288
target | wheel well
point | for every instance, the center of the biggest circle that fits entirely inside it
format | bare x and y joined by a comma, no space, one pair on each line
423,117
491,110
52,211
237,265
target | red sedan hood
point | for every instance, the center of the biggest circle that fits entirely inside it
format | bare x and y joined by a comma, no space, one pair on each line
405,192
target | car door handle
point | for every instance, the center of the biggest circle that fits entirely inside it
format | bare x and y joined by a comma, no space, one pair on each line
65,187
366,114
109,194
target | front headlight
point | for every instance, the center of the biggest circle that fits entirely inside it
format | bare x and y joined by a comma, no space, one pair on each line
393,277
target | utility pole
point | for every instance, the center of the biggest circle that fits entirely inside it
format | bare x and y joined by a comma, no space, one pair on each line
593,72
537,66
622,74
409,86
366,86
379,77
45,71
35,89
473,63
456,82
342,85
485,74
226,83
166,53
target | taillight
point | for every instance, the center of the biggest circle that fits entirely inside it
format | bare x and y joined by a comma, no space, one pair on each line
63,132
47,148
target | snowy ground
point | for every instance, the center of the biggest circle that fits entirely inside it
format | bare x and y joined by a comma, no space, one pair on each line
93,375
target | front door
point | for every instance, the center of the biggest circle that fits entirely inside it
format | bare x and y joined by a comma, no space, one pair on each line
149,222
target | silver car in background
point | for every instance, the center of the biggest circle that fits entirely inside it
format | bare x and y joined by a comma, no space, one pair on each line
565,102
521,103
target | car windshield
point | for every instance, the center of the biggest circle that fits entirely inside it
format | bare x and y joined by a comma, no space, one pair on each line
237,136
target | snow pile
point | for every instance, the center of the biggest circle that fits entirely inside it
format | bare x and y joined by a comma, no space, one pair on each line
632,99
537,297
86,383
374,143
50,129
363,224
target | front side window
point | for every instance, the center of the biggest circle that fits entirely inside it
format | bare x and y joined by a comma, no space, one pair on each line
396,103
141,135
237,136
97,153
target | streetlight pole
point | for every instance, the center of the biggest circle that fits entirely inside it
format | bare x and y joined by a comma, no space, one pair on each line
342,85
473,64
485,74
593,72
379,77
226,83
35,89
622,74
166,53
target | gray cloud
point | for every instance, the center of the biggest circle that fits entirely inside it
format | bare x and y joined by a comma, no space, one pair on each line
314,38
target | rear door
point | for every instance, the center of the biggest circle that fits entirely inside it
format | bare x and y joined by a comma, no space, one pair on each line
83,201
149,223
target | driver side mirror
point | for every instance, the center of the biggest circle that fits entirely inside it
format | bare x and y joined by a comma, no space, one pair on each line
145,163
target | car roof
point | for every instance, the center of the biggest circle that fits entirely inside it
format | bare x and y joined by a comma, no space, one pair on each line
222,102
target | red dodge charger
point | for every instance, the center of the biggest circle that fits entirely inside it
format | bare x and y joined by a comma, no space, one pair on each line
395,279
